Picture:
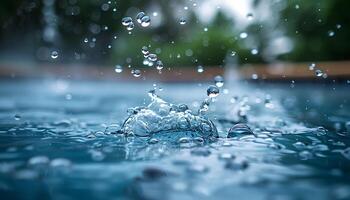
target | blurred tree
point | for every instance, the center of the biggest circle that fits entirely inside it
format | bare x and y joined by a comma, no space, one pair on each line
320,30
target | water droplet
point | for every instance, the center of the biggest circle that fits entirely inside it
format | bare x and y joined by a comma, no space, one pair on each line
159,65
39,160
243,35
126,21
152,57
54,54
318,73
305,155
153,141
139,16
255,76
312,66
201,152
219,81
250,16
136,73
197,168
331,33
105,7
254,51
145,21
60,162
233,53
226,156
338,26
184,140
239,130
86,40
130,26
200,69
205,29
182,21
212,91
118,69
145,51
17,117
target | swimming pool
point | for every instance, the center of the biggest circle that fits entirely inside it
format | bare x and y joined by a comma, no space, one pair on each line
59,140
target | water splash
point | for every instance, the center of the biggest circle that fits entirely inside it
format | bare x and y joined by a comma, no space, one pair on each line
167,120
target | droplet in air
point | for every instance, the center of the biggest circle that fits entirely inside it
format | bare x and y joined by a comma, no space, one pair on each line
331,33
126,21
200,69
152,57
136,73
233,53
54,54
139,16
212,91
254,51
243,35
159,65
130,27
312,66
144,50
250,16
255,76
118,69
182,21
86,40
145,21
318,73
219,81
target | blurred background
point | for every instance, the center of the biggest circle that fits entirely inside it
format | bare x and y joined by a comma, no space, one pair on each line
51,36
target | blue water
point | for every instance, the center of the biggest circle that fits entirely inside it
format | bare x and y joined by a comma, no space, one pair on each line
58,141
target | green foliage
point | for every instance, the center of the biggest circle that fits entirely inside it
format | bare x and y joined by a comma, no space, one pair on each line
310,27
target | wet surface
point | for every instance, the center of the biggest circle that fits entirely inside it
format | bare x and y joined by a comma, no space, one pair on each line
59,140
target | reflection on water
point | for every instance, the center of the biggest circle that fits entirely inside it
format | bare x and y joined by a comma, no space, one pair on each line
61,140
